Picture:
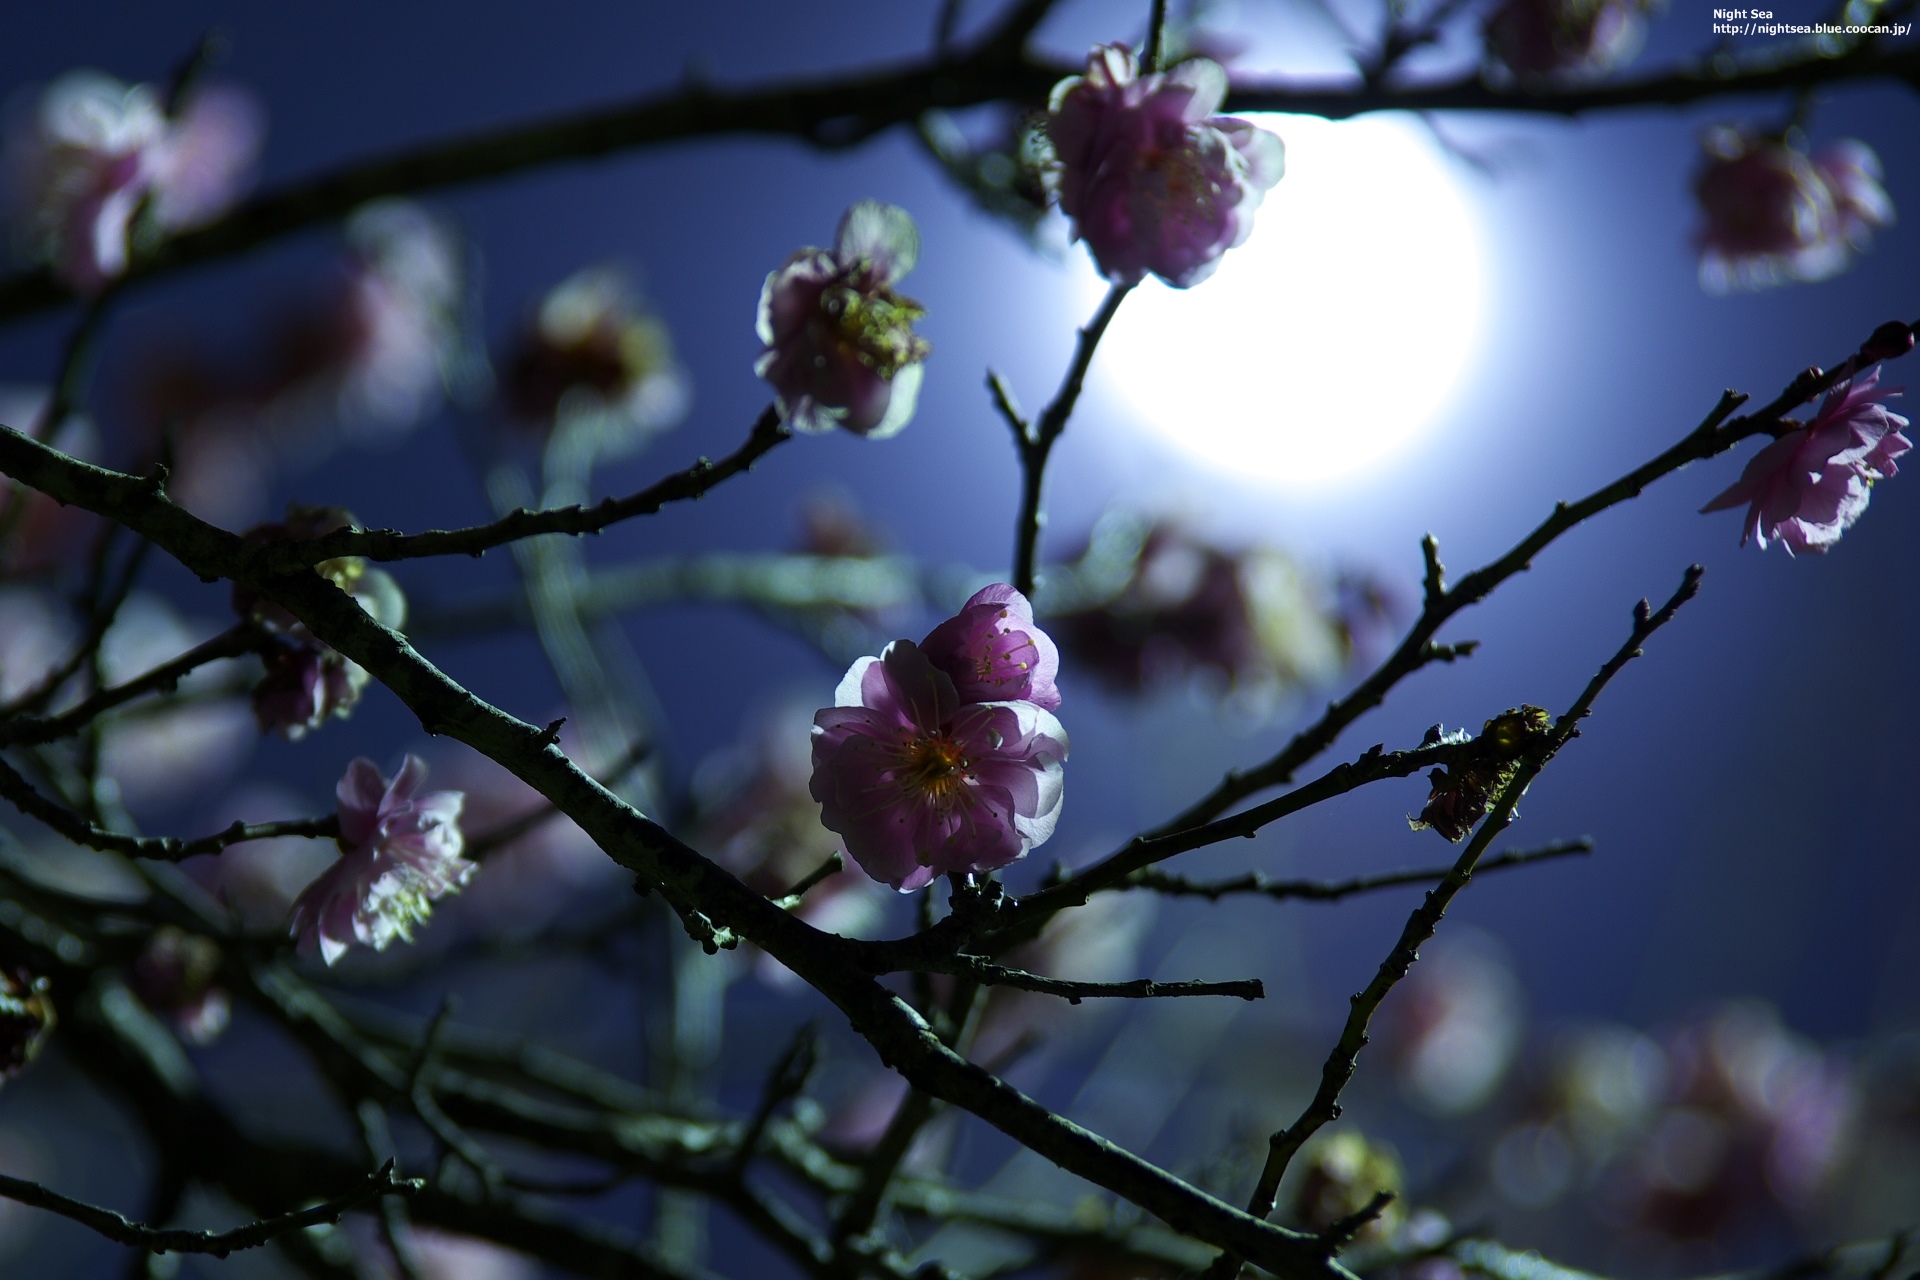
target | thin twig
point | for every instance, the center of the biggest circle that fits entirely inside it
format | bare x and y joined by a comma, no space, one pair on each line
988,974
784,1083
1036,442
390,544
20,793
1330,891
101,600
1715,434
124,1230
1156,37
833,866
394,1226
232,643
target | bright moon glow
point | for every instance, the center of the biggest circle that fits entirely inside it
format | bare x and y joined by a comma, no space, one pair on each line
1335,333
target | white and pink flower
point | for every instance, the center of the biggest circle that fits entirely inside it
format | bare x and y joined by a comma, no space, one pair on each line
95,149
921,784
1808,487
401,851
840,347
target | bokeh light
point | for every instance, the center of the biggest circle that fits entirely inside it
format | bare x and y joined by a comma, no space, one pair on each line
1333,336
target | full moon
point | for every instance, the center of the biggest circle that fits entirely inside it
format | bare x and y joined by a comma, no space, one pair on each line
1335,334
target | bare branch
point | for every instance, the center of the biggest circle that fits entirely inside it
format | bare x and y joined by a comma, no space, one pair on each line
1036,442
1716,433
20,793
124,1230
988,974
1330,891
682,486
1344,1060
244,638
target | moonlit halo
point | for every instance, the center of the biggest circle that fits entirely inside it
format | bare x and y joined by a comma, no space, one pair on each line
1335,334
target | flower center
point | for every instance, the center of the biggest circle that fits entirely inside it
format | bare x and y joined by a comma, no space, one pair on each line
876,325
935,766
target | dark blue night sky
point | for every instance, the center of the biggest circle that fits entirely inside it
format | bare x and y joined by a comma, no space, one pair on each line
1749,785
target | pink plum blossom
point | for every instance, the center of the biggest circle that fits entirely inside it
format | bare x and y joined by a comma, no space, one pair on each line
993,651
94,149
1810,485
920,784
1565,39
1774,213
1153,180
840,347
400,852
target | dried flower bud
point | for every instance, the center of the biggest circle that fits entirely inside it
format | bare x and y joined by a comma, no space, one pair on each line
26,1017
174,976
1462,794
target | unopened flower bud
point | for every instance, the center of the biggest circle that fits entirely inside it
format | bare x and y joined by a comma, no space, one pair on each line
1889,342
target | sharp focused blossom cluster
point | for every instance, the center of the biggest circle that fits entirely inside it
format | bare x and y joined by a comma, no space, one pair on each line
1154,181
1773,212
94,151
307,682
945,757
400,852
840,347
1808,487
595,356
1565,40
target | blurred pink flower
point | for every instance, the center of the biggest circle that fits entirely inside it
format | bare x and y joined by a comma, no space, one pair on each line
596,354
920,784
94,149
1774,214
1453,1026
840,347
1161,604
1565,39
175,974
400,853
208,161
1809,486
993,651
1153,180
1852,173
1757,1114
308,683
